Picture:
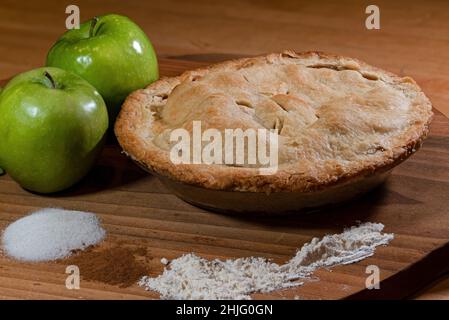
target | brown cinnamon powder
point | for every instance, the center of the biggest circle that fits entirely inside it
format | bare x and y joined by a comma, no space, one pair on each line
117,265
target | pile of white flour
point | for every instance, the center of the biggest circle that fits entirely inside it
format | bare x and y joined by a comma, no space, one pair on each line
192,277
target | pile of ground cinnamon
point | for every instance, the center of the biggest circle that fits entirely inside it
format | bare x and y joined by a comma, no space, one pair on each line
116,265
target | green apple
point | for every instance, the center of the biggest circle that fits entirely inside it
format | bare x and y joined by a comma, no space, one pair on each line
112,53
53,124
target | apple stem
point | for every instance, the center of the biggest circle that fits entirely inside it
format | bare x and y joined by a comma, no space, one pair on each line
49,77
92,26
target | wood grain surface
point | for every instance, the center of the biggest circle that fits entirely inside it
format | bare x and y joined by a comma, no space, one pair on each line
137,210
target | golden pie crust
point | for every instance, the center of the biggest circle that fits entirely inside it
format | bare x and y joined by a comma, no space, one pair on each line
338,118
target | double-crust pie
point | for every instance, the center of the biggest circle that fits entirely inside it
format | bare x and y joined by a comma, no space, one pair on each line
339,120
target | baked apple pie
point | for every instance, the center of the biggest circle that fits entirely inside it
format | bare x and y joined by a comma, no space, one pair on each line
341,126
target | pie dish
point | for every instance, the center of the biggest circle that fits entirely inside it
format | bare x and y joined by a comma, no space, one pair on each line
342,124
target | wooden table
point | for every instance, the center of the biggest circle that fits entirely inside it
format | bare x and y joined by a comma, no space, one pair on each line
413,40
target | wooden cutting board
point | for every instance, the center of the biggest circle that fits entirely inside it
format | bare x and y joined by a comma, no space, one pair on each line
138,211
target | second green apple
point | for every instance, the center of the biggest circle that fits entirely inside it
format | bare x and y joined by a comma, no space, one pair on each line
112,53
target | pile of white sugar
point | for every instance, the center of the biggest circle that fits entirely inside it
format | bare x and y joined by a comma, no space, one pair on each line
192,277
50,234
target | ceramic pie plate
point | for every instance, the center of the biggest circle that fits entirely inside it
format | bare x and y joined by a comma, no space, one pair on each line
276,203
345,126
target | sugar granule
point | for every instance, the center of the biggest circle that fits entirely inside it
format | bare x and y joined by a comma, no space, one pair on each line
50,234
